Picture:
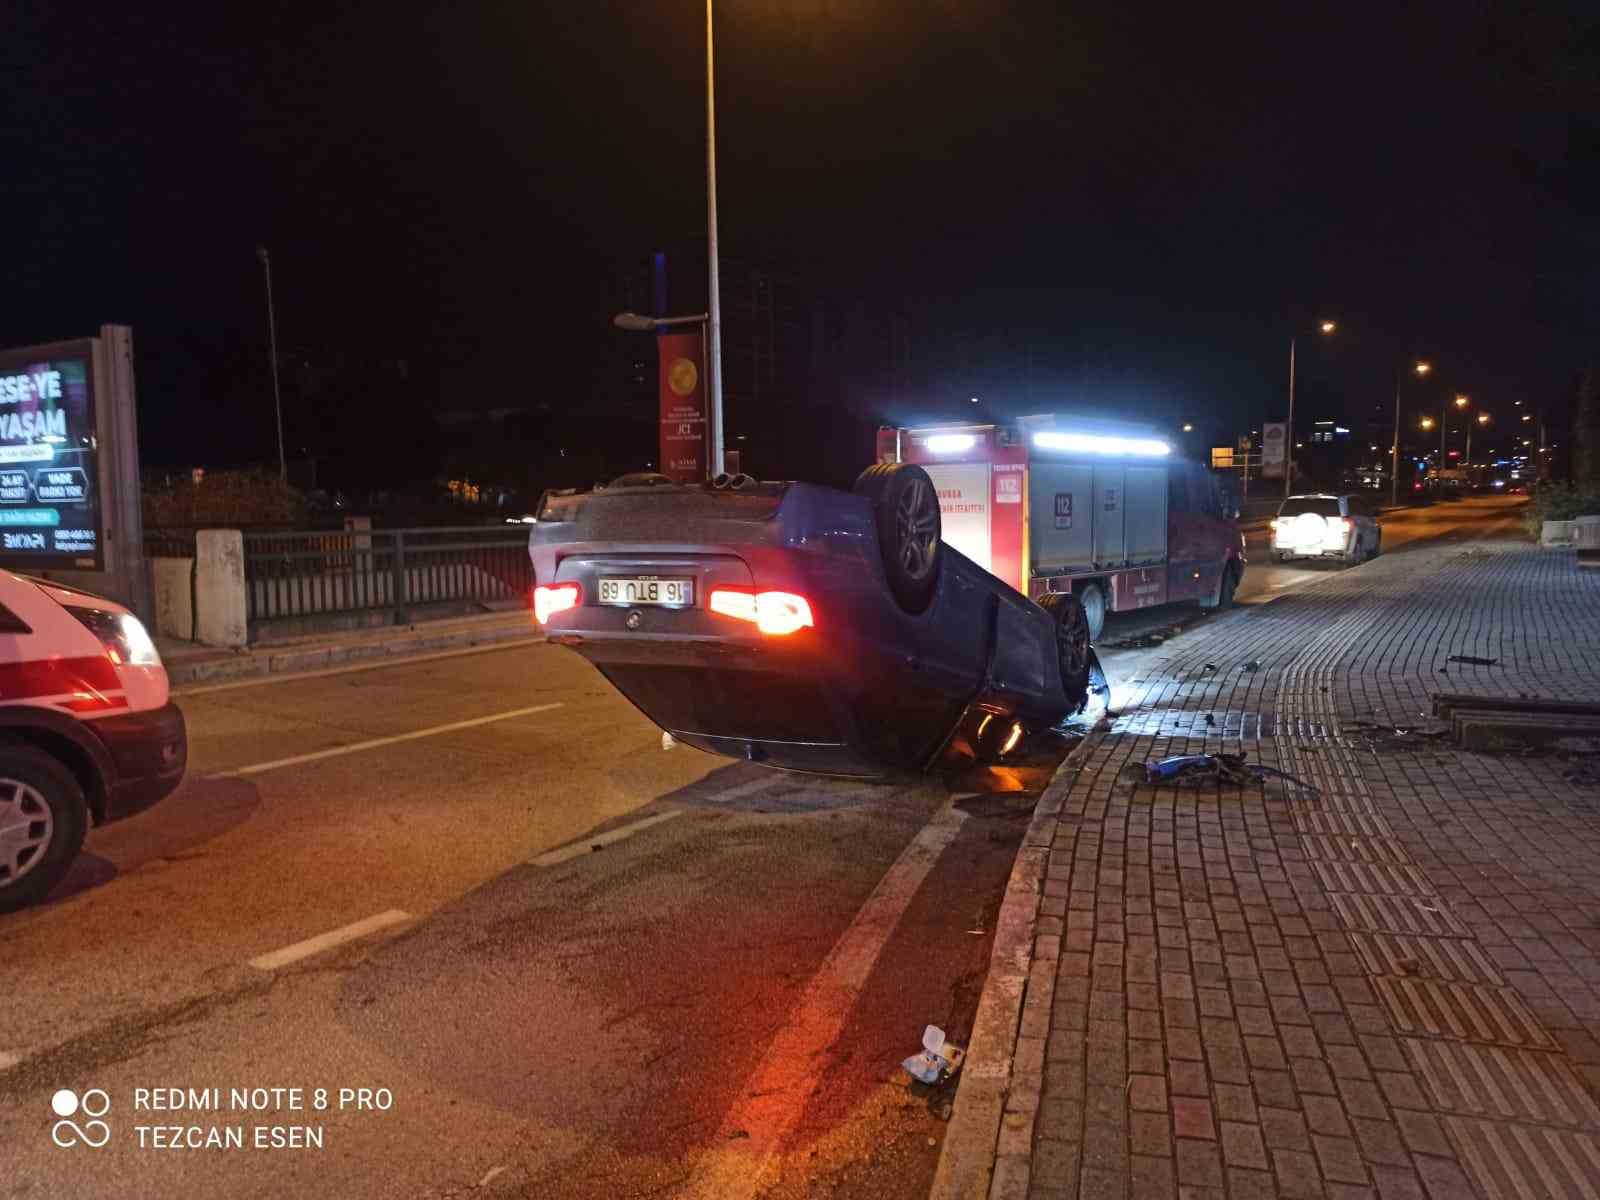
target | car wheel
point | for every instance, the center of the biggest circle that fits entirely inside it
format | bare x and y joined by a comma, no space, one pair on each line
43,818
906,510
1073,652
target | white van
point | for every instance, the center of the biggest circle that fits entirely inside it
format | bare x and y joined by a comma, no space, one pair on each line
87,732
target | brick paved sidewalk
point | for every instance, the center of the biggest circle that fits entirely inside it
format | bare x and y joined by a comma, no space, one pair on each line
1388,989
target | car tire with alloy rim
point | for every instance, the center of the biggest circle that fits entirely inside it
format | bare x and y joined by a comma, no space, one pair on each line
43,819
906,512
1074,654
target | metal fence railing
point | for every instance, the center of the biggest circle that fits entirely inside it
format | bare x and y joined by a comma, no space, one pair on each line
307,573
169,542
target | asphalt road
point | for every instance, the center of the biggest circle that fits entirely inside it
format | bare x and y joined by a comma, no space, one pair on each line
567,962
722,994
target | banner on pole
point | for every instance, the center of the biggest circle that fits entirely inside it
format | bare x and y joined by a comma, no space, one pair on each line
683,406
1274,448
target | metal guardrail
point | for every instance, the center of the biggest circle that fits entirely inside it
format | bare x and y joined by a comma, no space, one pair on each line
308,572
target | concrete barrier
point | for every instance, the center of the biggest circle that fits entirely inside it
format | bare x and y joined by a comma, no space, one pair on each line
1588,541
219,596
172,586
1558,533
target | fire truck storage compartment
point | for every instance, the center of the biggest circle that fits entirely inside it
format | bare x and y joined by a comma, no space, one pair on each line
964,507
1102,517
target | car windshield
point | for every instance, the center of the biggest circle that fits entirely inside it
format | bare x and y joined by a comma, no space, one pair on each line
1322,506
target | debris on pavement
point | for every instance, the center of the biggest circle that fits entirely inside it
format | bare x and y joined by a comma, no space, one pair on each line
1472,660
939,1059
1253,665
1230,769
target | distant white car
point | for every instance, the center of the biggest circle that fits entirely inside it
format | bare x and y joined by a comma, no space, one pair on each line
1326,526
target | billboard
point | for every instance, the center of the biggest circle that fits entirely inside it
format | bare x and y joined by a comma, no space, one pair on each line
683,406
49,478
1274,449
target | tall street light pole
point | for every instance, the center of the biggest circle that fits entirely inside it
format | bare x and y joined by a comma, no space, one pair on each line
714,323
1324,327
272,346
1444,425
1483,419
1421,368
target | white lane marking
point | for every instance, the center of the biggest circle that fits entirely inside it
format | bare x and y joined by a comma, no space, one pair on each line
773,1099
578,849
9,1059
327,941
374,743
1291,583
373,664
749,787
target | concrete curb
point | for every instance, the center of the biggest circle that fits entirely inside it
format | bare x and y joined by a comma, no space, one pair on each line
989,1144
266,661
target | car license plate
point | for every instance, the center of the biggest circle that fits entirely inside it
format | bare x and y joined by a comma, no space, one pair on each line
666,593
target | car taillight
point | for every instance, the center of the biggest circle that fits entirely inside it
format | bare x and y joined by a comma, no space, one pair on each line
772,612
552,598
122,634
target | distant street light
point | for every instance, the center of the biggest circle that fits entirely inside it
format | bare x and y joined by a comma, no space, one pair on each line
974,400
1444,424
1323,327
1483,419
1427,422
1420,367
272,346
1188,428
641,324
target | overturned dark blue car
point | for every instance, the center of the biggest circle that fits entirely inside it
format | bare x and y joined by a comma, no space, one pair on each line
804,627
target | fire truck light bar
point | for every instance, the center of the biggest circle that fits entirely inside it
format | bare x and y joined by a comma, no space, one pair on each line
950,443
1091,444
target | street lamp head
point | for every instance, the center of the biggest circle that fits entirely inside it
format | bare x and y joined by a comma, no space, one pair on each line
1327,326
1187,428
1422,368
1427,422
974,400
1461,401
1483,418
634,322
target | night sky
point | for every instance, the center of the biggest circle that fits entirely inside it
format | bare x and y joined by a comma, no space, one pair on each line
1129,207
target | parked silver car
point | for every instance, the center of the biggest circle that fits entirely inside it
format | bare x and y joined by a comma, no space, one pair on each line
1327,526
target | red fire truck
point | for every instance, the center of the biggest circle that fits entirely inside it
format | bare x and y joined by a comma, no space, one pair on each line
1056,503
